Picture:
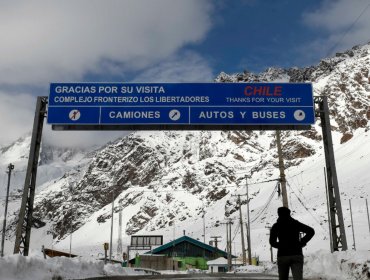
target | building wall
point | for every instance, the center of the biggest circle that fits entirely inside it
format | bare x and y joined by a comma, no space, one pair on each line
169,263
158,262
192,262
216,269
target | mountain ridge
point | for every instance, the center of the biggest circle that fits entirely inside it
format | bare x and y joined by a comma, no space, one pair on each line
162,178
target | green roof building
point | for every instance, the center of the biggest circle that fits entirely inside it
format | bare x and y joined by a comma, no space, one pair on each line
186,246
188,253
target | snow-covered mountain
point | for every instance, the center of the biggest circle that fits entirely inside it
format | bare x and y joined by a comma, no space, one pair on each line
165,182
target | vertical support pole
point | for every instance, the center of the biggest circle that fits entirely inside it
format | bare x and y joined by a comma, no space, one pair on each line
339,238
23,230
173,246
328,210
111,230
128,256
119,241
10,168
227,245
204,231
367,211
248,226
204,226
282,172
242,231
70,236
230,247
106,247
353,229
271,253
271,250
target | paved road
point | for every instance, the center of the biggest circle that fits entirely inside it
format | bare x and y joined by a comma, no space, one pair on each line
215,276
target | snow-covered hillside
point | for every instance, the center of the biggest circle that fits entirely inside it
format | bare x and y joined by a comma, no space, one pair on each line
163,182
54,163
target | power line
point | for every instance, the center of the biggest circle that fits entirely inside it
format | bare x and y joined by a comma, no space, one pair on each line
266,204
313,167
298,189
236,231
348,29
261,182
304,206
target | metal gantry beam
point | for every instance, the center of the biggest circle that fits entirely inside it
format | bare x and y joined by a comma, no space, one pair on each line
25,219
339,240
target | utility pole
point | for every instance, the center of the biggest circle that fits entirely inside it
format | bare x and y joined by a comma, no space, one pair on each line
111,229
242,231
353,230
204,231
173,246
70,236
367,211
281,168
228,243
204,226
230,247
119,241
10,168
248,225
215,240
271,250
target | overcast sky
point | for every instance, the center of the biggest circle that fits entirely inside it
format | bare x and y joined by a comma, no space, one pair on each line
157,41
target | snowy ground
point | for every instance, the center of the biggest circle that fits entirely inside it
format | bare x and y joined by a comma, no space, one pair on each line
338,266
36,267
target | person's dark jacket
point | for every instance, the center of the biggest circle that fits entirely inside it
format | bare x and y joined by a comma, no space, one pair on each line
287,231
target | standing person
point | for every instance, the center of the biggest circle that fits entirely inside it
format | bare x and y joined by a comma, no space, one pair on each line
288,232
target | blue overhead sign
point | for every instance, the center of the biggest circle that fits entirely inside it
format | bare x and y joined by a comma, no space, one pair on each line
181,104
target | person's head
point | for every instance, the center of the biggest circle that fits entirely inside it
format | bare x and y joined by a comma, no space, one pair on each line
283,212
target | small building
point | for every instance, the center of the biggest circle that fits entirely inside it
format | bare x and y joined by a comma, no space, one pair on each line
220,265
54,253
181,254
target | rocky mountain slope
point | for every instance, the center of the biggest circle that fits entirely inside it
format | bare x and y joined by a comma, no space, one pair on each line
163,179
345,79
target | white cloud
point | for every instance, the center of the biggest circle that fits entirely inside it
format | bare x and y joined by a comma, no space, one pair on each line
187,67
81,139
17,115
19,109
335,18
43,41
62,41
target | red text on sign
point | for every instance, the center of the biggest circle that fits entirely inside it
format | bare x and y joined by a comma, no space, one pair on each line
263,90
